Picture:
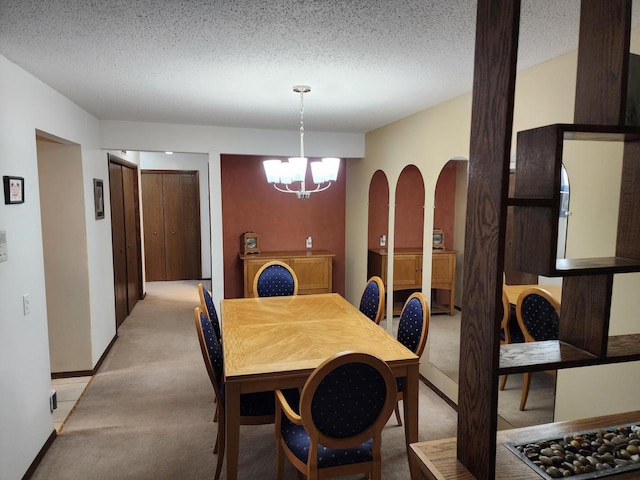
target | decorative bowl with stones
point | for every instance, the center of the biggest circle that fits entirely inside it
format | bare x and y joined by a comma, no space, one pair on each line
583,455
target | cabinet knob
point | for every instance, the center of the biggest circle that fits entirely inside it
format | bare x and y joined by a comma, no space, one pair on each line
155,233
173,233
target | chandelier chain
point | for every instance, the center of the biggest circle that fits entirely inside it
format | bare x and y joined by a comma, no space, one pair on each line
301,123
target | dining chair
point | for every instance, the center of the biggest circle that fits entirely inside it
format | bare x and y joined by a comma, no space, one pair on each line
538,315
255,408
372,300
275,279
413,328
207,306
337,429
509,330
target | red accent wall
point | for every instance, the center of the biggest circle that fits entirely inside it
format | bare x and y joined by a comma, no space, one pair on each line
445,202
378,209
282,221
409,209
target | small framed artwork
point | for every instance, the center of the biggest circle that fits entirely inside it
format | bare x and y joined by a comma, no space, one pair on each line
13,189
98,197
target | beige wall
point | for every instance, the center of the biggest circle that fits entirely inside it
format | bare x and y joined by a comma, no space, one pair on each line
428,139
64,241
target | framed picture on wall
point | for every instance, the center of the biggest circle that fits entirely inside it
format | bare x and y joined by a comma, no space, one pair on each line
98,197
13,189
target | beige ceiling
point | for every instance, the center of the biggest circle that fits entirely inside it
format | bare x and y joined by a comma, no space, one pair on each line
234,62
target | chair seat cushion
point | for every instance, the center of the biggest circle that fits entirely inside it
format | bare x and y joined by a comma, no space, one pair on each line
297,440
263,403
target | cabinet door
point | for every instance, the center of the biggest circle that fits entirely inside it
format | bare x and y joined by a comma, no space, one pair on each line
407,271
442,269
314,274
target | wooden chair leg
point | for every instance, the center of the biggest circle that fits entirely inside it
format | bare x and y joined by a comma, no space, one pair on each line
503,381
526,382
219,448
397,410
280,460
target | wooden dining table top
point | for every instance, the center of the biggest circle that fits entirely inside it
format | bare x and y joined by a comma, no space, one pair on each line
276,336
514,291
276,342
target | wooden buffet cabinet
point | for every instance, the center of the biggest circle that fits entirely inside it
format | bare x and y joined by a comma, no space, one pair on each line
313,269
407,272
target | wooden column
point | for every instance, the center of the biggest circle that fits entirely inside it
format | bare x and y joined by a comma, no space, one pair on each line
603,62
491,126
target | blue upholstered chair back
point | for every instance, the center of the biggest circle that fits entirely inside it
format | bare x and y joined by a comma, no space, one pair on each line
213,315
539,317
344,406
214,349
413,324
348,400
275,281
370,303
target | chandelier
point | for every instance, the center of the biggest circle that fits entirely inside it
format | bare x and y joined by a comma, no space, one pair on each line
286,176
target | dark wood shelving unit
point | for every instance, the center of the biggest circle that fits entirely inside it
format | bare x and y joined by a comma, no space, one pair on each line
536,201
600,115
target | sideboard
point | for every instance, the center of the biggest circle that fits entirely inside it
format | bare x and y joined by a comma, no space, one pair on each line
312,267
407,272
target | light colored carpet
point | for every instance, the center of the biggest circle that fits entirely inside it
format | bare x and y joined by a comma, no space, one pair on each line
444,353
148,412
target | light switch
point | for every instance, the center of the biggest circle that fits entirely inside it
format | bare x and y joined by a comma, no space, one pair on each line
3,246
309,242
26,304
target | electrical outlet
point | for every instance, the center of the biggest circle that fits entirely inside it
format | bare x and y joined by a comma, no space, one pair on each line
309,242
26,304
383,240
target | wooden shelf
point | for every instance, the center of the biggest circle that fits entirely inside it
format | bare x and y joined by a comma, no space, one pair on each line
595,266
554,355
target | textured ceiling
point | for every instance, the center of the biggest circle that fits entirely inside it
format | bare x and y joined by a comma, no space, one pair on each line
234,62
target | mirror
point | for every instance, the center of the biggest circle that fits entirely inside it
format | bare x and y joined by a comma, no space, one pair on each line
408,231
449,215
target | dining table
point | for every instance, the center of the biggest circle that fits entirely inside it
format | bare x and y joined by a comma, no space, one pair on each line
514,291
276,342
